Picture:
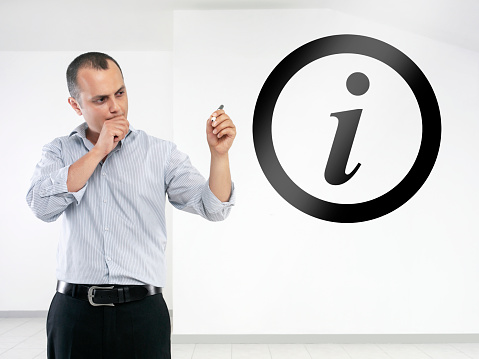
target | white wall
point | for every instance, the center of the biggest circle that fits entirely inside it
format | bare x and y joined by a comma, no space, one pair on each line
271,269
34,110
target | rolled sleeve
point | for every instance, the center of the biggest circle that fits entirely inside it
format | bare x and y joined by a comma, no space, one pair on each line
213,206
48,194
189,191
57,184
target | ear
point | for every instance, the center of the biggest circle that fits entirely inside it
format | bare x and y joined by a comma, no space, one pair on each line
74,104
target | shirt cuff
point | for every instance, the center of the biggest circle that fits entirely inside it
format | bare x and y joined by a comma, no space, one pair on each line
58,185
212,203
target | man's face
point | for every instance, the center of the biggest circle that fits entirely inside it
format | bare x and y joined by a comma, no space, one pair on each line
103,96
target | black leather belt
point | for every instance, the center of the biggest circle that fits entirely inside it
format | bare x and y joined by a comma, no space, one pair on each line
106,294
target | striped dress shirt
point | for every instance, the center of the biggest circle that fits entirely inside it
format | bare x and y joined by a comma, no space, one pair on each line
114,228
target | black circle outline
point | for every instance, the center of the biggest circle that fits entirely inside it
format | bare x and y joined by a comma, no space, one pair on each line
399,62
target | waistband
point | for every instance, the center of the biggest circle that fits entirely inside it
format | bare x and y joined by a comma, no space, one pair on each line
107,294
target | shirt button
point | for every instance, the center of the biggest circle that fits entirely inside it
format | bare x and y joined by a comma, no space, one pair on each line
108,258
106,228
103,174
104,201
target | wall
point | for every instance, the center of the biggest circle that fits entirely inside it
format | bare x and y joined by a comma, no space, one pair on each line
271,269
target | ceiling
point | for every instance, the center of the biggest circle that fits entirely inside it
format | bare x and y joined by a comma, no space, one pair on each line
455,22
76,25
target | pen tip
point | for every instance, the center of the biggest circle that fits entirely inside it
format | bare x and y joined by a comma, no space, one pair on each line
221,107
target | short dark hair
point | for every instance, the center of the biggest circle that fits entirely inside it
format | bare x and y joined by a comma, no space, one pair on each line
94,60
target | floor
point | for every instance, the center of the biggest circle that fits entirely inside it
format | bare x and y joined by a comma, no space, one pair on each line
24,338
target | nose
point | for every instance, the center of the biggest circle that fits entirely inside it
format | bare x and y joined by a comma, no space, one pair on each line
114,107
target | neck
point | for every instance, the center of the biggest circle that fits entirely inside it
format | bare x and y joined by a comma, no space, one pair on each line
92,136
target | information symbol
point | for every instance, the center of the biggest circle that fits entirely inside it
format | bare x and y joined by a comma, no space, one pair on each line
357,83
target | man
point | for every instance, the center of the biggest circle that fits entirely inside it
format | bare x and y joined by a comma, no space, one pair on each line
110,182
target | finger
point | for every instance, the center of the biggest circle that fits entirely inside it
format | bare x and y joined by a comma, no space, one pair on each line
120,123
117,118
217,113
118,132
229,131
118,129
223,125
209,127
116,124
220,118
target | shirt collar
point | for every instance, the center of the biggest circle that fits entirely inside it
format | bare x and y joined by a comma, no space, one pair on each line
81,131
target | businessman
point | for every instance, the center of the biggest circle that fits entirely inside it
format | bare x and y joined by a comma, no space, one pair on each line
110,182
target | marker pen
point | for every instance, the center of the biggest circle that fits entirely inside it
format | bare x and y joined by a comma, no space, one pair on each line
214,118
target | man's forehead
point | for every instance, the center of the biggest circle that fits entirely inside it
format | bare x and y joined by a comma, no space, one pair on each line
99,81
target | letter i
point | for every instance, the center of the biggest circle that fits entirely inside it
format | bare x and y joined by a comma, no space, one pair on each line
348,121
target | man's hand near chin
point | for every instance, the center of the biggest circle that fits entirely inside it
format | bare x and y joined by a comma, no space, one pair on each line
113,131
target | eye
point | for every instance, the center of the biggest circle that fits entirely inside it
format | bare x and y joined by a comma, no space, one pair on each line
100,100
120,93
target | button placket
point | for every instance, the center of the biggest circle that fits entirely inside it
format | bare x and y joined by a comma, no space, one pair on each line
104,211
104,192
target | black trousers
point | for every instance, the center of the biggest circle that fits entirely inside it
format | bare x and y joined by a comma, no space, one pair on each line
139,329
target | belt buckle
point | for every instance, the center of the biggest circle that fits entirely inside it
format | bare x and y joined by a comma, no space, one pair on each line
90,296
